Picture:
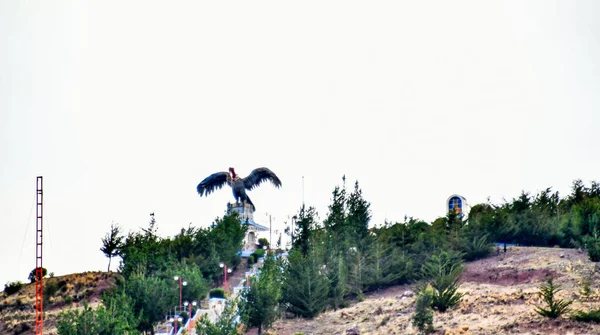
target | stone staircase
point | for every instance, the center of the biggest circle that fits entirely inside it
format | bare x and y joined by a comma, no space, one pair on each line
215,305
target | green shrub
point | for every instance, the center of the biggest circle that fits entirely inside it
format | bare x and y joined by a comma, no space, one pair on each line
217,293
556,307
477,247
259,253
384,321
262,242
445,268
184,315
423,317
50,289
592,244
32,276
12,287
591,316
237,259
250,261
68,300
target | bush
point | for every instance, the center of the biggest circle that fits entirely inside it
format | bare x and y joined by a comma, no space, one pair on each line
68,300
32,276
250,261
12,287
591,316
258,253
184,315
556,307
217,293
423,317
477,247
445,268
593,247
262,242
50,289
21,328
237,259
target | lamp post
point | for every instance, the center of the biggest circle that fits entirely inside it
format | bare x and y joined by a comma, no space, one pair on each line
181,285
189,306
225,272
176,320
270,230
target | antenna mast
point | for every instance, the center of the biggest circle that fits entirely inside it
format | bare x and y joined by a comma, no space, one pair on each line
39,301
302,190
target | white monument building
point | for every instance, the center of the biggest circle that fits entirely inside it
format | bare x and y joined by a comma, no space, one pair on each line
246,215
458,204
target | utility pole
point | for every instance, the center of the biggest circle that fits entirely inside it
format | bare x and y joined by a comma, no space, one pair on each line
302,190
270,232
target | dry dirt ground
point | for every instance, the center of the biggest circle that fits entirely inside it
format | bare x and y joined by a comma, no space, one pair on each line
500,295
17,311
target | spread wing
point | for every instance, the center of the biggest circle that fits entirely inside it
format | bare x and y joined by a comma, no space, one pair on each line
213,182
260,175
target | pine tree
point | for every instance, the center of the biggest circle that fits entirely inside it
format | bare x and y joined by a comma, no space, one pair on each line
336,218
227,324
112,242
359,215
337,275
259,305
305,225
306,284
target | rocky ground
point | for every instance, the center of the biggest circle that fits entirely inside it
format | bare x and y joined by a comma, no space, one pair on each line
501,292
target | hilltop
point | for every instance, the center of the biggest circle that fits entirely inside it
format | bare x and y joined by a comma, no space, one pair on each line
17,311
501,292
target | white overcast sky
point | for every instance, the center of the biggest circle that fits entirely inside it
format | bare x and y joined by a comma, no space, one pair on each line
125,106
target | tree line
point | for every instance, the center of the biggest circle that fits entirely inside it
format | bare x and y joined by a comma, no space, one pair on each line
341,258
147,290
545,219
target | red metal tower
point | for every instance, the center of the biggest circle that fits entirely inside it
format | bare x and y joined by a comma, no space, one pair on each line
39,301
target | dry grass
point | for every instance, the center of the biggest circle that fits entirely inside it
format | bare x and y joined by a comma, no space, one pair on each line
502,304
17,312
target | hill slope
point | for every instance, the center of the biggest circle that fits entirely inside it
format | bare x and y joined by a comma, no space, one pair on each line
501,292
17,311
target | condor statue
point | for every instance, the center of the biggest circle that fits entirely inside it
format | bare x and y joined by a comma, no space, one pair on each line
238,185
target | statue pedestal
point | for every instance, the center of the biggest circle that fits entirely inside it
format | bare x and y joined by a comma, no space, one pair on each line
246,214
244,210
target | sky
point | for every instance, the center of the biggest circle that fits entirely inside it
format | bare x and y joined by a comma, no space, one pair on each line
125,106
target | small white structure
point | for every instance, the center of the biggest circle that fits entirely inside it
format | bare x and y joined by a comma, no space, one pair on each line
246,215
458,204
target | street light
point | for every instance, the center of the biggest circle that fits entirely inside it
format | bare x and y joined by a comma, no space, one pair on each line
174,322
181,285
225,272
189,306
177,320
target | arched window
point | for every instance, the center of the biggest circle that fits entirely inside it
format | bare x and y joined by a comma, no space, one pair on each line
455,204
